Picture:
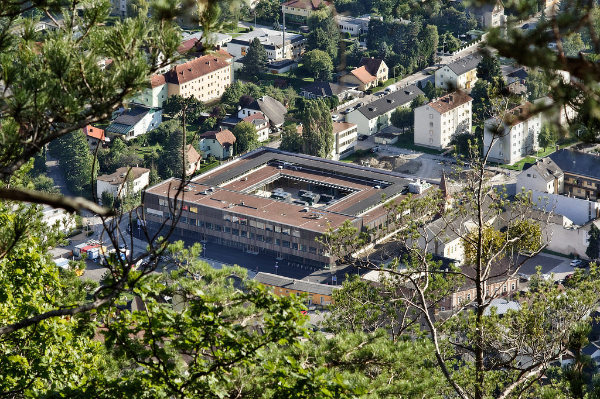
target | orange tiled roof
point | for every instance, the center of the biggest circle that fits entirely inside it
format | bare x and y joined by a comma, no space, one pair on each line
362,74
94,132
157,80
192,154
224,137
195,68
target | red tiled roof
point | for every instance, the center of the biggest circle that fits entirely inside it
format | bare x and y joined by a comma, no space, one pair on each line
255,116
157,80
94,132
195,68
187,45
306,4
362,74
224,137
192,154
450,101
371,64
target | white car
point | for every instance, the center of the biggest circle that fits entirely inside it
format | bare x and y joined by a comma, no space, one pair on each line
336,118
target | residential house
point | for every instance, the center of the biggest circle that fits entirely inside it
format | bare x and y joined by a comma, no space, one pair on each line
513,138
318,294
134,122
204,78
217,143
194,159
261,124
125,181
64,220
371,72
355,26
94,136
155,95
298,11
488,15
516,81
345,137
327,89
437,122
503,281
271,108
370,118
460,74
543,176
272,41
194,42
581,173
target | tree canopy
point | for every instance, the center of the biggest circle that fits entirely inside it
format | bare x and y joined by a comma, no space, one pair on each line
318,64
317,129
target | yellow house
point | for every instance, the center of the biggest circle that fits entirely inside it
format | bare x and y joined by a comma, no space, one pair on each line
318,294
300,10
204,78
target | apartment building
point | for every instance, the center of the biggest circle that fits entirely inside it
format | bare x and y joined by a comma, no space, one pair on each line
204,78
125,181
436,122
317,294
371,117
272,41
513,138
581,173
460,74
488,15
298,11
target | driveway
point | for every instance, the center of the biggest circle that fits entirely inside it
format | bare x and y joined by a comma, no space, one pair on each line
550,264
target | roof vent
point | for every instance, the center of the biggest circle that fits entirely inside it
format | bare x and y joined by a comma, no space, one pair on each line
408,92
390,100
125,174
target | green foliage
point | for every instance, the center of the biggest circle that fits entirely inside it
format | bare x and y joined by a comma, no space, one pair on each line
454,22
481,94
449,42
108,199
489,69
174,106
318,64
431,91
232,95
465,144
76,162
291,140
267,12
246,138
548,136
418,101
324,33
593,249
255,60
317,129
573,44
402,117
537,84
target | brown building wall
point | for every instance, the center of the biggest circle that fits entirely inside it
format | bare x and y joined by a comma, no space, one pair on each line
582,187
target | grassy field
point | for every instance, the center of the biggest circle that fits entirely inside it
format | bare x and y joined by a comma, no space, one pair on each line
518,166
406,140
208,166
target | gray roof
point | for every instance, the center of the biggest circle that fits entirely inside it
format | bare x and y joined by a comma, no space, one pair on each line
391,101
118,128
273,109
546,168
465,64
293,284
326,89
576,162
132,116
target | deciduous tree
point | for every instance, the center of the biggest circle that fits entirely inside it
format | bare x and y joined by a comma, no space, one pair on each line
317,129
246,138
318,64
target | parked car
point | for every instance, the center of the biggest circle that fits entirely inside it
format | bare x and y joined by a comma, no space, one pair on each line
335,118
362,137
577,263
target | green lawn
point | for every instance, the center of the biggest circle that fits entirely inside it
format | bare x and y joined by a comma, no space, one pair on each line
143,151
540,154
208,166
406,140
385,84
356,156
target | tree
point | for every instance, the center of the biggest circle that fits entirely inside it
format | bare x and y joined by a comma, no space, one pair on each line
77,162
246,138
402,118
431,91
481,94
593,249
418,101
324,33
449,42
291,140
548,136
267,12
175,104
573,44
108,199
171,160
476,350
537,84
317,129
255,60
318,64
489,69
